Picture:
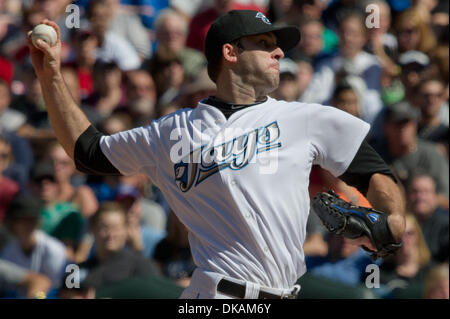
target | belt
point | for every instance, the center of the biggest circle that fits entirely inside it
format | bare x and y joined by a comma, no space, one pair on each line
237,290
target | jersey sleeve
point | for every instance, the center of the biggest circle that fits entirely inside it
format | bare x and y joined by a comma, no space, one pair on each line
335,137
133,151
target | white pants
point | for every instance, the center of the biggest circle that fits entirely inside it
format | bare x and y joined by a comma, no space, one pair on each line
204,286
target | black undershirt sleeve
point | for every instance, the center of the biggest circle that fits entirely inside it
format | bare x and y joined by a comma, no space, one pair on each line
89,157
365,163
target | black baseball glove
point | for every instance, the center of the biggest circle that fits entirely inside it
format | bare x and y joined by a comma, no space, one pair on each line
343,218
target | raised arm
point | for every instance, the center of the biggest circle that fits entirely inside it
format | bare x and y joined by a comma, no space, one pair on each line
66,118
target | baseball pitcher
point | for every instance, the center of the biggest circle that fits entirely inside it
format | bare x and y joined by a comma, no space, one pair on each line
235,169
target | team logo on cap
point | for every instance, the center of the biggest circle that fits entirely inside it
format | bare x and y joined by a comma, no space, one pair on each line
261,16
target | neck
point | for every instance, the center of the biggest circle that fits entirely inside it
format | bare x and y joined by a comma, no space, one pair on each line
232,89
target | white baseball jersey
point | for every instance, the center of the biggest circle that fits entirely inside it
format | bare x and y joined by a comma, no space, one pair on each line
240,185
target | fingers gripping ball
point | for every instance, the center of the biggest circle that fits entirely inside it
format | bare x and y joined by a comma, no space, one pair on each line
45,33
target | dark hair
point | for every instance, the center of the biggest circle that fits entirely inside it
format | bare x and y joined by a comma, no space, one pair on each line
104,67
341,87
163,58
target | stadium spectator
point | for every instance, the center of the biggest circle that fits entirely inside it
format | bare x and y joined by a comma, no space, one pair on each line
347,99
201,22
112,262
141,97
110,47
141,238
332,14
406,153
439,22
193,92
173,253
288,88
31,248
59,219
423,202
167,70
8,188
6,69
414,68
20,161
14,277
350,60
128,25
81,196
380,42
152,214
413,33
312,43
285,11
171,32
345,262
31,102
431,98
311,8
305,72
84,44
117,122
107,94
408,268
10,119
439,68
437,283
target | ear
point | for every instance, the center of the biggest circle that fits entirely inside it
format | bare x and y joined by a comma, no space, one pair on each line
230,53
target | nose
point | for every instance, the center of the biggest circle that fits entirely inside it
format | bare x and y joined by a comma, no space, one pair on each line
278,54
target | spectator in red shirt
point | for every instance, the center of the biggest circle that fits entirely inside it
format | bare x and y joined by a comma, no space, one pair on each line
6,70
8,188
201,22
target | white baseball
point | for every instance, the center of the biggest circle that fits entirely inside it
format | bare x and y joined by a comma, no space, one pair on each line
45,33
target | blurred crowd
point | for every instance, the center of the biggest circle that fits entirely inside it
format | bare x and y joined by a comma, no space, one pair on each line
128,62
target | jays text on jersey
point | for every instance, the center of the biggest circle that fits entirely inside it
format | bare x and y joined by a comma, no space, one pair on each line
241,184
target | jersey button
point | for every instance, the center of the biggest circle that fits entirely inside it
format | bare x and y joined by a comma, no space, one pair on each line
233,182
266,249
